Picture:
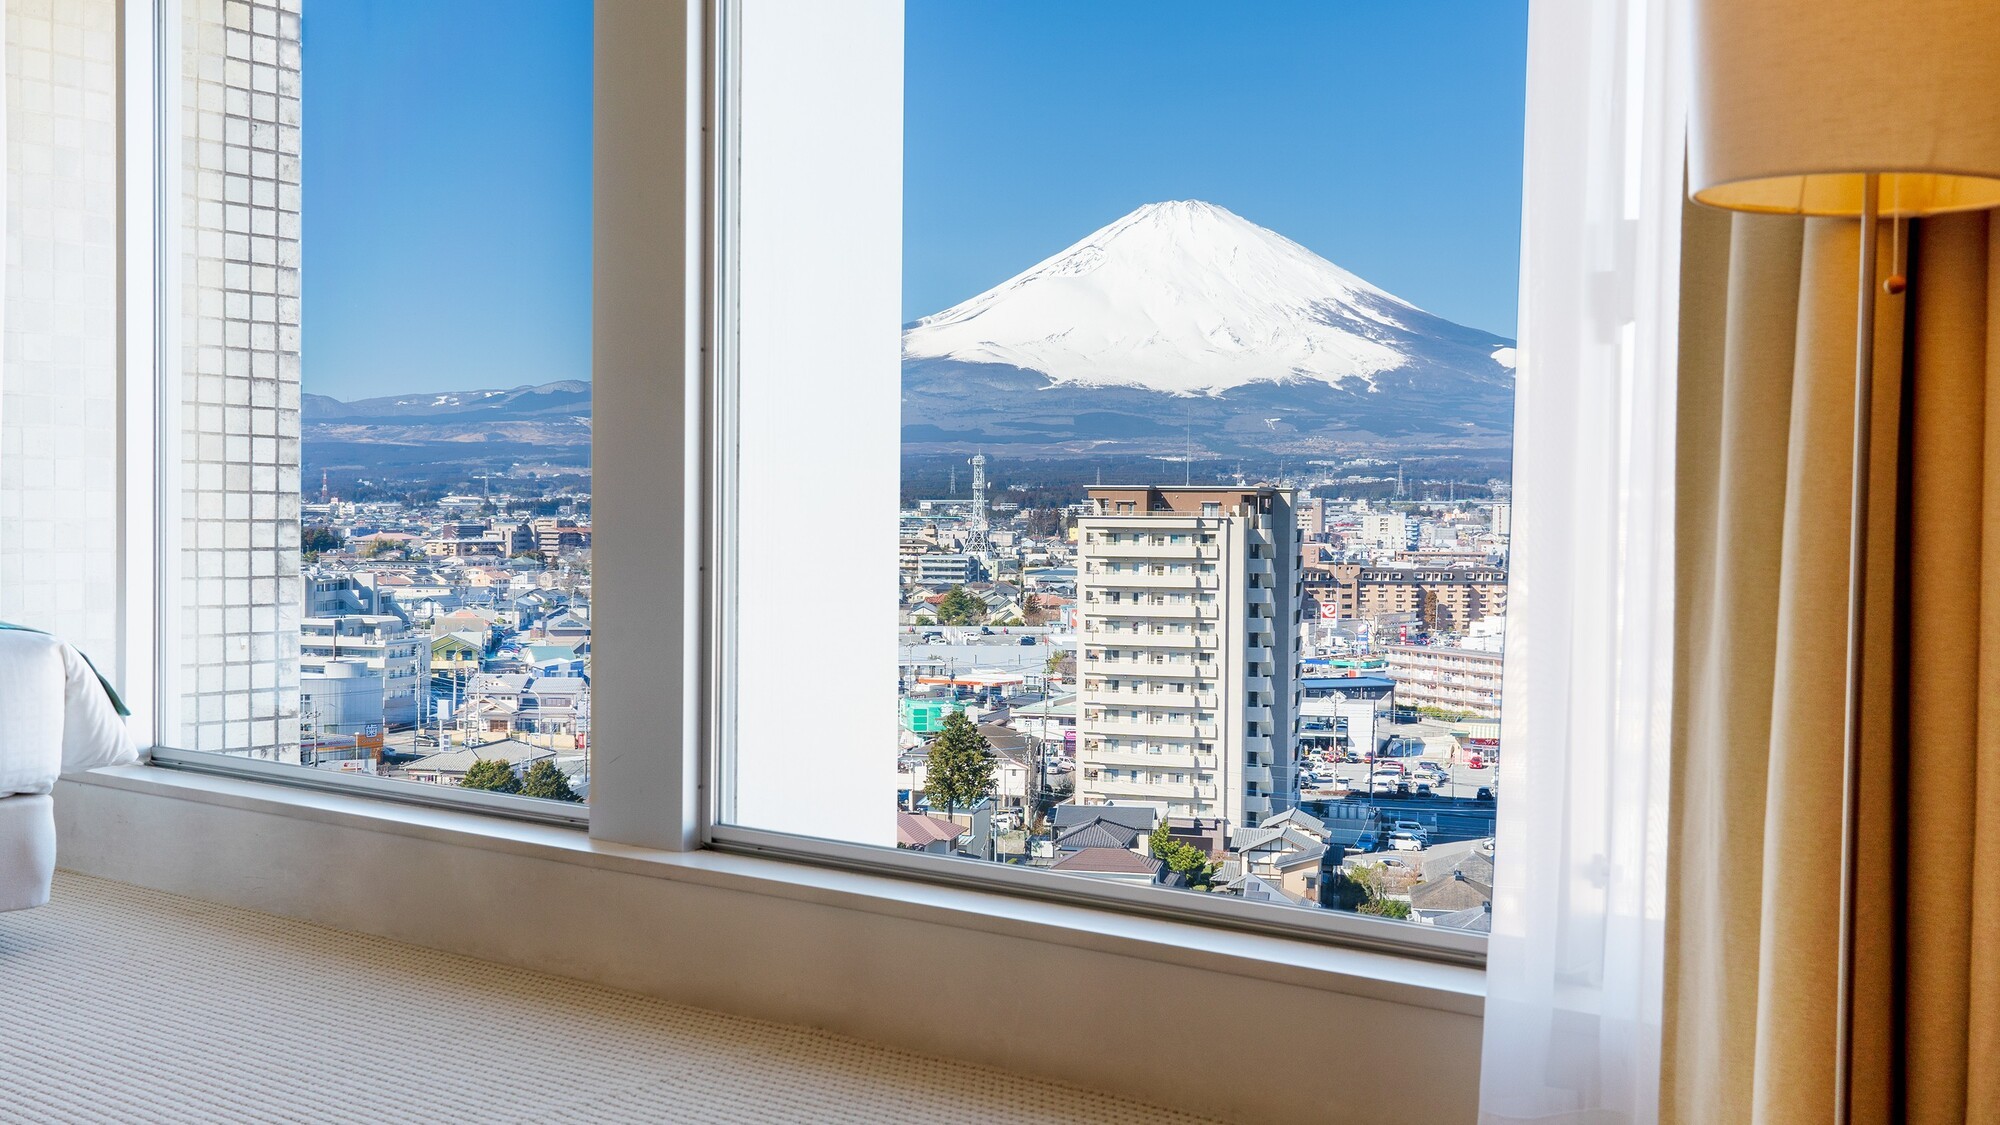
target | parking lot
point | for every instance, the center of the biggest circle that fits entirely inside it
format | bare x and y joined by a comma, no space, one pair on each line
1453,811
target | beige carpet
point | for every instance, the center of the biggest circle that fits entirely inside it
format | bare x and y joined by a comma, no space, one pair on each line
127,1005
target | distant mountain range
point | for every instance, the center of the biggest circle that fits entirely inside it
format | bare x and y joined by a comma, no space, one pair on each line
1183,321
488,428
1181,324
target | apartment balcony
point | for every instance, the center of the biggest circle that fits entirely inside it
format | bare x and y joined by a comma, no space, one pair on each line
1261,567
1260,595
1178,700
1181,670
1257,803
1149,790
1260,715
1142,551
1141,759
1258,683
1187,641
1186,611
1140,728
1257,775
1257,654
1101,580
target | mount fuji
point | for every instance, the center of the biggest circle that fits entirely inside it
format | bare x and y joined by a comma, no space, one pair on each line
1184,321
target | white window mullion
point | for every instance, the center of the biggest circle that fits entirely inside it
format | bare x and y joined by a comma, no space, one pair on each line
648,357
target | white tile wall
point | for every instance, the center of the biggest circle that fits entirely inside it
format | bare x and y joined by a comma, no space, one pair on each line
58,369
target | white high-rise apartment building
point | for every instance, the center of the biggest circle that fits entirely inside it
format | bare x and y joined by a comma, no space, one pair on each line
1188,602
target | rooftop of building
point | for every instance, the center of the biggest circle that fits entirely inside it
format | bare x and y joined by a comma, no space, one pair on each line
1107,861
1440,650
506,750
1182,500
916,830
1350,683
1098,833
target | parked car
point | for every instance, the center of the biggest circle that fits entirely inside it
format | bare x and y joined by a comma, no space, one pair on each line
1475,762
1423,789
1406,842
1028,640
1412,827
1365,842
1485,793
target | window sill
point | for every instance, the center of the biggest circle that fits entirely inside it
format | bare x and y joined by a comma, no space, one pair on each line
1371,975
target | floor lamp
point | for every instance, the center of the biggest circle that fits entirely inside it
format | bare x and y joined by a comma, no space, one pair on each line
1859,109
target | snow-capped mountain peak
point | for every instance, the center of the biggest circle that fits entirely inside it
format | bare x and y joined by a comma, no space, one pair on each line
1188,297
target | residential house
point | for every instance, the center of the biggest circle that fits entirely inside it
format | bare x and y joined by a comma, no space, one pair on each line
448,767
919,832
1116,865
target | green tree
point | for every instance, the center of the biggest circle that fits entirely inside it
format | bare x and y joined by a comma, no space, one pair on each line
960,606
1361,891
546,781
1182,858
378,548
959,768
317,538
492,775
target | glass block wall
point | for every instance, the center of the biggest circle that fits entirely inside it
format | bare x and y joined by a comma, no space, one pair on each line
235,676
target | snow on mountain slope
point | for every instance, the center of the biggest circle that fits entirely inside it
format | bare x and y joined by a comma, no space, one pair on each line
1187,298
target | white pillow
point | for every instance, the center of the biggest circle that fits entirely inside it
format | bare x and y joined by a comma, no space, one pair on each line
93,732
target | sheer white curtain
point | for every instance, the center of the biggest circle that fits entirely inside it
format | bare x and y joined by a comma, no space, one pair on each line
1574,976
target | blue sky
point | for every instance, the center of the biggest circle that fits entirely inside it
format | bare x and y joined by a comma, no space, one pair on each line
1384,135
447,159
446,194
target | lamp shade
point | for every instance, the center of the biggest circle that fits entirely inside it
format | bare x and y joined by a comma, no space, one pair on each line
1795,101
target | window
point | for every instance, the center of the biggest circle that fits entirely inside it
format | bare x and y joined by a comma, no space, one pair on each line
1022,281
376,424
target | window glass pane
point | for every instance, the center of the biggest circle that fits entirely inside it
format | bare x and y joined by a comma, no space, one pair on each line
377,441
1199,325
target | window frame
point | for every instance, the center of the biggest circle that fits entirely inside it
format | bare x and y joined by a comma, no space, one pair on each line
149,245
665,376
721,378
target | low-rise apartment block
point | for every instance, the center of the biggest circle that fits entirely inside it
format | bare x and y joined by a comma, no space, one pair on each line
1454,679
385,643
1450,597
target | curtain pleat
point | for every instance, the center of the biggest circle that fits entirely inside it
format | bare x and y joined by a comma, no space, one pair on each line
1982,831
1765,433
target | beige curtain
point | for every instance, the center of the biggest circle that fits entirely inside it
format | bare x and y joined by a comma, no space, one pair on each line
1766,405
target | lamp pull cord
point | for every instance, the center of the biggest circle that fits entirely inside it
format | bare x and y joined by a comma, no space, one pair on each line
1898,279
